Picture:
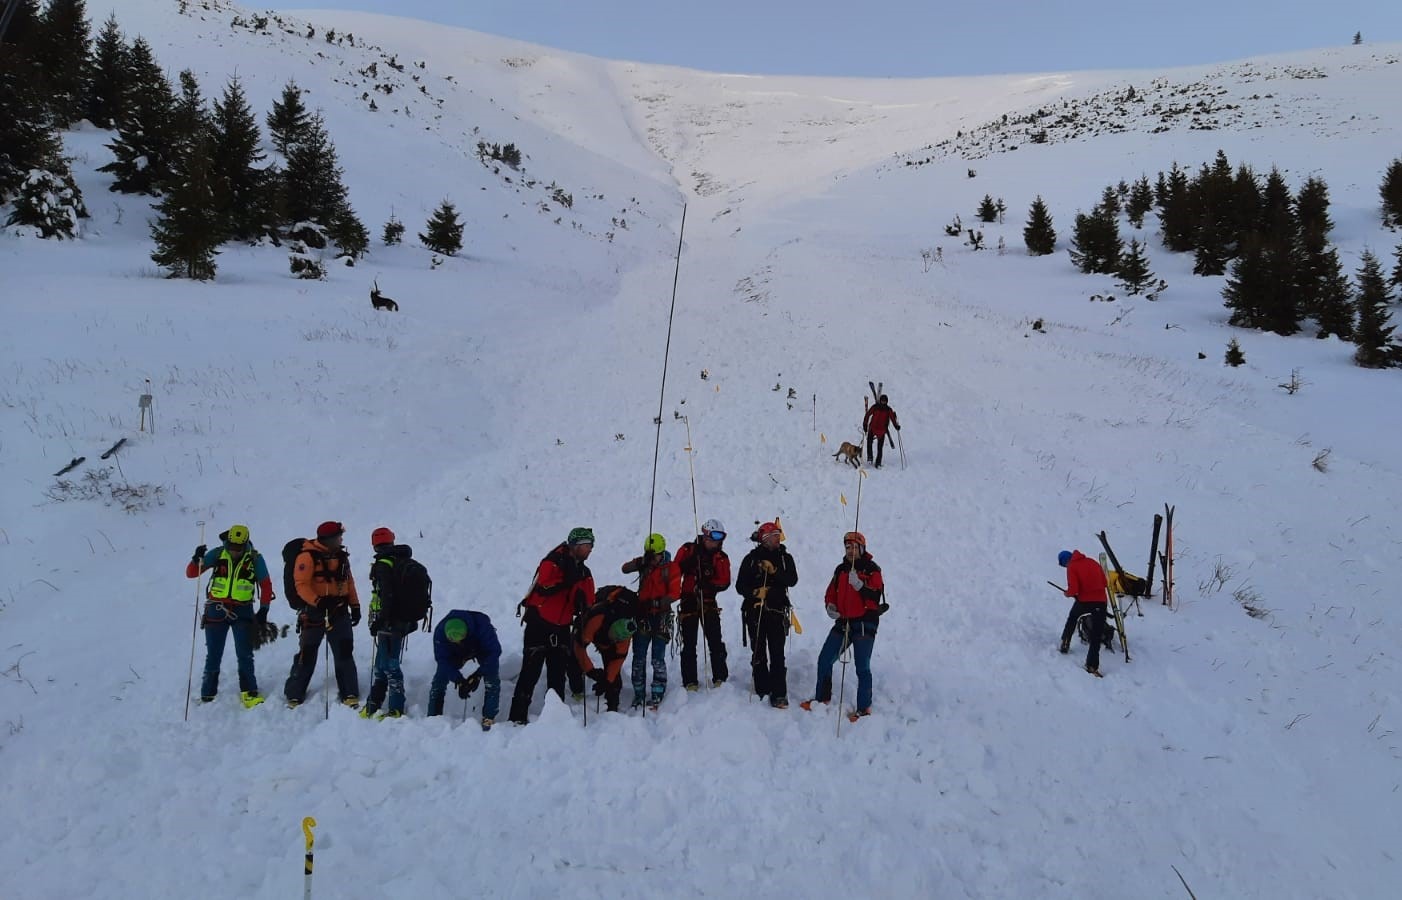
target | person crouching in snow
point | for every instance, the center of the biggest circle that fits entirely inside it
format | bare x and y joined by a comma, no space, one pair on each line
465,635
659,586
1085,581
238,570
609,626
854,602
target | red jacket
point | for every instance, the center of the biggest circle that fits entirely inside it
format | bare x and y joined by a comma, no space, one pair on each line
660,585
563,586
710,570
852,603
878,419
1085,580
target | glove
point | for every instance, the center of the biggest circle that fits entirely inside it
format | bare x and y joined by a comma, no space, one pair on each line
355,616
897,427
472,681
832,611
601,687
762,593
854,579
261,617
200,551
463,689
766,567
596,675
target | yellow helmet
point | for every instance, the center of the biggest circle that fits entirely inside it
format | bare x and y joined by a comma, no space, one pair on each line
238,534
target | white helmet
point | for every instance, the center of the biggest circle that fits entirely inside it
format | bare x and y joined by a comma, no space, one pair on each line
713,525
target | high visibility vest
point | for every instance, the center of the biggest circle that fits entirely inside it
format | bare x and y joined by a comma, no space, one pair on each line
233,579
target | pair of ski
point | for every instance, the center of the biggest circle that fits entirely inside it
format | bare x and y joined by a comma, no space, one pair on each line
79,460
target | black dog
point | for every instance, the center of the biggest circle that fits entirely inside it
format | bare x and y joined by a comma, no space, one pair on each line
380,301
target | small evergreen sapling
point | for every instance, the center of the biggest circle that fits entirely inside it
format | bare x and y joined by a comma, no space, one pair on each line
1134,274
393,232
1374,334
987,210
1038,234
1391,193
1234,356
443,233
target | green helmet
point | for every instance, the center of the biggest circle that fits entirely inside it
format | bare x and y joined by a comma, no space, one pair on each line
455,630
580,536
622,630
655,543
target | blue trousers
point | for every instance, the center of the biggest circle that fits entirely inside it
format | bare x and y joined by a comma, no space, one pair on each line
219,620
438,689
658,644
387,678
863,638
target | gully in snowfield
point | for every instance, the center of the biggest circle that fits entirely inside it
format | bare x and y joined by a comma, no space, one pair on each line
238,569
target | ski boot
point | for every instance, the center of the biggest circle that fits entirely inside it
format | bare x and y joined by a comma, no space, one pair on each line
856,714
1065,646
351,701
487,724
250,699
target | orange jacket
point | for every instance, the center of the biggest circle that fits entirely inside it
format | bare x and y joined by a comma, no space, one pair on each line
323,581
612,653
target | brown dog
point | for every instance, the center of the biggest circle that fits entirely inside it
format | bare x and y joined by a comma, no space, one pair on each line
380,301
849,453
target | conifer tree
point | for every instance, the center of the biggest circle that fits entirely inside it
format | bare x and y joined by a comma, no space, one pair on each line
145,147
1391,192
1133,272
1397,269
289,121
444,230
190,122
109,75
1280,300
1234,356
1095,242
241,188
1210,248
1374,334
188,230
987,210
1245,289
1277,218
1141,200
1331,297
348,233
394,231
23,35
1160,189
27,140
1178,216
1110,200
49,201
65,55
312,188
1246,204
1323,292
1038,234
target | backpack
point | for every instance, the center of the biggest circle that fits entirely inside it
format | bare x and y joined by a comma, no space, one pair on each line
406,591
615,602
290,551
1107,636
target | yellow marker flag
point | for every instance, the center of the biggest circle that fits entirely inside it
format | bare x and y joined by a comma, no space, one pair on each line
822,438
843,498
793,617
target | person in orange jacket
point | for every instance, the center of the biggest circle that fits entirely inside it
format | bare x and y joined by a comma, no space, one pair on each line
609,626
238,571
330,609
659,586
1085,581
854,601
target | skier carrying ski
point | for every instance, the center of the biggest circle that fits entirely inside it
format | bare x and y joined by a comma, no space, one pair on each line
238,569
331,609
609,625
464,635
763,581
854,603
400,598
659,586
1085,581
875,423
563,588
705,572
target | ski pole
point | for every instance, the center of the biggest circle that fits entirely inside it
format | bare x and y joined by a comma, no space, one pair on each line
325,667
900,445
194,630
861,473
307,825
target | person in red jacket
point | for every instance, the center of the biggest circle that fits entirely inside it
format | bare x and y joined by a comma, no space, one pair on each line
563,589
705,573
854,601
239,570
1085,581
875,424
659,586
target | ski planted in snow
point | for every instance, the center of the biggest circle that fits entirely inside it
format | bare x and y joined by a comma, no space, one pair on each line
1166,557
1114,603
1153,558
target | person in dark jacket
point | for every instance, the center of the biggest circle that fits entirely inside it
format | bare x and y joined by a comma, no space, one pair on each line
563,588
854,603
239,570
609,626
331,609
389,626
464,635
763,581
876,424
1085,582
705,572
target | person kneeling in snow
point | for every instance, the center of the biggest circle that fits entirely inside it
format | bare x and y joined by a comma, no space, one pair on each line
854,600
464,635
608,625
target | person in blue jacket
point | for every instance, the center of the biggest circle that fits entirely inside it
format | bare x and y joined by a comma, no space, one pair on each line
463,635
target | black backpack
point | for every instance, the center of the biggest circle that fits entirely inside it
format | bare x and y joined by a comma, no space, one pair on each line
406,590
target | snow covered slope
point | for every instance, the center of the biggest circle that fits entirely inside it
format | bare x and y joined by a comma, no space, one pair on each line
513,397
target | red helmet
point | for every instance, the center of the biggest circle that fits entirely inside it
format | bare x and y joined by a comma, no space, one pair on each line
380,536
766,530
855,537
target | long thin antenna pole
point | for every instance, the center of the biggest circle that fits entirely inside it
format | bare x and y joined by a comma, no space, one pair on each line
666,353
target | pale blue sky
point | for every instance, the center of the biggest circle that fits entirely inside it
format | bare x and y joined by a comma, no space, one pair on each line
906,38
